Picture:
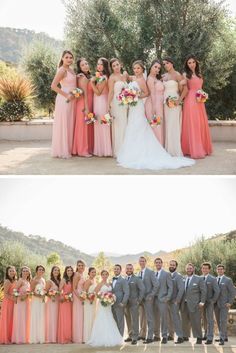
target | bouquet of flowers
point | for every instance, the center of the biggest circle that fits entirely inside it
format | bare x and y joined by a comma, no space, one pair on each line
129,95
91,297
99,77
83,296
68,297
106,119
40,292
15,294
52,294
155,120
171,101
90,118
201,96
106,298
77,93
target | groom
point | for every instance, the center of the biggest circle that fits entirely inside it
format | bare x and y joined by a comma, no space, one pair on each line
120,288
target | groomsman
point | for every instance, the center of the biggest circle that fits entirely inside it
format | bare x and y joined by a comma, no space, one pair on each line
224,302
192,303
120,288
146,308
162,297
213,292
136,295
176,298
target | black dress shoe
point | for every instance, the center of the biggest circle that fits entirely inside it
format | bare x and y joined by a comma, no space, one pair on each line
179,340
170,338
141,338
199,341
186,339
156,339
134,342
128,339
147,341
208,342
221,343
204,338
164,340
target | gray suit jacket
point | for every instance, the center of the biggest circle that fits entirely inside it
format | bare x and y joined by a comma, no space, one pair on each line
227,292
213,290
136,289
178,287
165,288
150,283
195,293
121,291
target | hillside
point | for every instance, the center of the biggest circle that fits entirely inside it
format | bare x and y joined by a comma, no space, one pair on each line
14,41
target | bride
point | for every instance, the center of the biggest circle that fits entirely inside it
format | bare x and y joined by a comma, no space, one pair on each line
141,149
105,332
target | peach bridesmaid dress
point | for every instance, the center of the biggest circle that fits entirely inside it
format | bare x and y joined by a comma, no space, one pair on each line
52,316
196,138
6,319
37,317
78,315
83,143
65,317
102,133
155,103
21,318
64,119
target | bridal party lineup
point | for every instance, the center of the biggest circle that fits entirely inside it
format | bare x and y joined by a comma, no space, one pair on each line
146,119
79,305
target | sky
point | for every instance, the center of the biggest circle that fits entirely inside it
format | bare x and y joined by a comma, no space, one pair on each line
119,214
44,15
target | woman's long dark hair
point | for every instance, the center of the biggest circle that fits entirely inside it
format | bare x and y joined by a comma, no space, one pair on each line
114,60
7,275
79,71
188,71
155,61
53,279
62,56
106,69
65,276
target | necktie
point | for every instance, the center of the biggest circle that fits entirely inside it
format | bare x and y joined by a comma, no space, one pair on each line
141,274
204,278
157,274
187,284
128,278
219,281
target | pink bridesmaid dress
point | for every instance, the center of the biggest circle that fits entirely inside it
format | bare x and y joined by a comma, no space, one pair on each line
21,318
65,318
51,316
196,138
155,103
64,120
78,315
83,143
6,319
102,132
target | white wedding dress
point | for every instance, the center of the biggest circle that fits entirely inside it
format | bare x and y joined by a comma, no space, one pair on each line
141,149
105,332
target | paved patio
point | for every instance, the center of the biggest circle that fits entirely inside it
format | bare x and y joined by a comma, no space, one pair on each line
33,157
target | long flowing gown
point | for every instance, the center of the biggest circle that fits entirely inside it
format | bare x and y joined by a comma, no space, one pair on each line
37,317
89,315
52,307
141,149
196,138
6,319
119,114
65,317
21,317
105,332
64,120
78,314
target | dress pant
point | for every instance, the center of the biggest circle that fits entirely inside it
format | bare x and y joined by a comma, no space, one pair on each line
208,320
161,314
132,319
149,317
176,322
221,315
191,320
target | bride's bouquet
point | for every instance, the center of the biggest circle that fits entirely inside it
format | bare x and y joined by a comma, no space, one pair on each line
106,298
129,94
155,120
172,101
201,96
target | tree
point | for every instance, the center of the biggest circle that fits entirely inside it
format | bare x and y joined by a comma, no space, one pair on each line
102,263
54,259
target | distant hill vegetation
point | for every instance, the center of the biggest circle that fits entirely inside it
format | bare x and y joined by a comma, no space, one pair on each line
13,43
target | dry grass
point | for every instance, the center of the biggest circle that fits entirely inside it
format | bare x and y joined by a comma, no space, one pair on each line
16,88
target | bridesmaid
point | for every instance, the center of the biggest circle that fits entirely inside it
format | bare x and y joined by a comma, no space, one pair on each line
83,143
37,317
154,102
64,115
196,138
21,318
102,132
116,82
7,308
173,116
52,305
78,307
89,306
65,307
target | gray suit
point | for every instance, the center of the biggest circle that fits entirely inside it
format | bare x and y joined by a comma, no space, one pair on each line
227,295
174,304
163,296
136,295
213,292
190,311
146,308
121,291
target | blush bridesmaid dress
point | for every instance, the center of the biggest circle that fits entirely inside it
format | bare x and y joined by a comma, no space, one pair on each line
196,138
65,317
78,315
51,316
6,319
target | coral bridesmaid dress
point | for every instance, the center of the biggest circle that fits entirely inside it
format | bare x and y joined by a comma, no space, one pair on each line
6,320
64,120
89,314
102,132
196,138
52,306
155,102
21,318
83,143
65,317
37,317
78,315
